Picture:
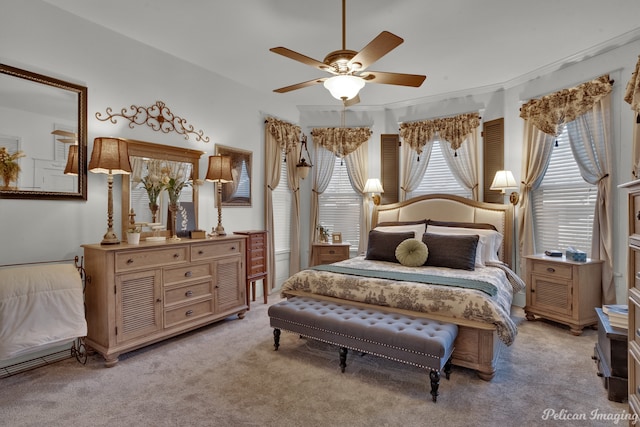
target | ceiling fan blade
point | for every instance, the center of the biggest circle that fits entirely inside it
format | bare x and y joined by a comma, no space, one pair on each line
300,58
413,80
384,43
353,101
68,140
300,85
64,133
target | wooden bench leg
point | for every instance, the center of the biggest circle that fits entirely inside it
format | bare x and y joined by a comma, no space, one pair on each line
343,358
276,338
447,368
435,383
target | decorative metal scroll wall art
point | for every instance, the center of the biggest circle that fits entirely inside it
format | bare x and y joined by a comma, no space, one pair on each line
158,116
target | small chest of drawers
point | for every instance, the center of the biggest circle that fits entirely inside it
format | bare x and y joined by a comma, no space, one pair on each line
610,354
327,253
257,267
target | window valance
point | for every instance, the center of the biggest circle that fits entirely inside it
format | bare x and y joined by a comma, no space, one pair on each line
632,93
340,141
551,111
286,134
454,130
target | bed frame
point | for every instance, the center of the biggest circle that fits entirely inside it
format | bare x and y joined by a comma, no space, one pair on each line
477,345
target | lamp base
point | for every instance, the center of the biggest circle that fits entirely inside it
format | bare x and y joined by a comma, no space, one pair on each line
219,230
376,199
110,238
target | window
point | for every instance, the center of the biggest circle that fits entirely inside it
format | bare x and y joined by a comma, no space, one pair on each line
564,204
282,212
438,178
340,206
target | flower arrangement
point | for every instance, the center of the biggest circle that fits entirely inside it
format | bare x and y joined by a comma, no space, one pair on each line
323,232
154,186
174,185
9,167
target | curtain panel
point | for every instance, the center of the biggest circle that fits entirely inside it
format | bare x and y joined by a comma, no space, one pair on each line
281,138
454,130
547,115
632,97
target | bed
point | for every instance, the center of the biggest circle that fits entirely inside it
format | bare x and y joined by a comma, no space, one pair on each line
41,306
466,279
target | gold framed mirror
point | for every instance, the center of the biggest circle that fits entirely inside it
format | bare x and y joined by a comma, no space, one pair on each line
147,160
41,118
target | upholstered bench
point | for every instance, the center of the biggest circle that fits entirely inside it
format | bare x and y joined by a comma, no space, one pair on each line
413,340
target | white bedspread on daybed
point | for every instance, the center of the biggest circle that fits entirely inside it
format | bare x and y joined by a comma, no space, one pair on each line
449,301
41,306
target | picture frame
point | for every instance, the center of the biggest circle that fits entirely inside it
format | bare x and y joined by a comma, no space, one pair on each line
336,238
238,192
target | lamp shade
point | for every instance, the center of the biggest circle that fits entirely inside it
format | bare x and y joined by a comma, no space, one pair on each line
344,87
503,181
72,161
110,155
219,169
373,185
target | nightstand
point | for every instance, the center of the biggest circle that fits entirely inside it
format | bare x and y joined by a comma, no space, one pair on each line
326,253
563,291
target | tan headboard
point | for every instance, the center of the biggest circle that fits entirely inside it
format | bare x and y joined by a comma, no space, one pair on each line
447,207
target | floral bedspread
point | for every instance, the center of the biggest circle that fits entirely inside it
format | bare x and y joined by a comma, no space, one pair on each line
446,301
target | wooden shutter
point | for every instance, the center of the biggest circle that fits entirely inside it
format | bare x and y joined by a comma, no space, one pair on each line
389,167
493,143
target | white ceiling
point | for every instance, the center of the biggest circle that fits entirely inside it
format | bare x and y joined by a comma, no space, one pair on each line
459,44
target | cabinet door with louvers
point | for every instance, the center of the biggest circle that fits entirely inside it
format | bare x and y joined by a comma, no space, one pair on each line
228,273
139,304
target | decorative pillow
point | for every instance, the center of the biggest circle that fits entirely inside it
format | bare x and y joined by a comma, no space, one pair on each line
382,246
455,251
412,253
490,240
479,225
417,229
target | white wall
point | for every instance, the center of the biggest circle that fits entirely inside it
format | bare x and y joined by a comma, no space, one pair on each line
120,72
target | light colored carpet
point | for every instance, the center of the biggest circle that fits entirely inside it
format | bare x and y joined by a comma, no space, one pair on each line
227,374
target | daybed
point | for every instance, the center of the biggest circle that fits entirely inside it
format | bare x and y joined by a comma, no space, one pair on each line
481,308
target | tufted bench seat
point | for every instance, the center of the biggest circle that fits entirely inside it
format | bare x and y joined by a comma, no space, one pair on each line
417,341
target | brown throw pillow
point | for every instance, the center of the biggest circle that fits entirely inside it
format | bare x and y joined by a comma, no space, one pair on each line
457,252
382,246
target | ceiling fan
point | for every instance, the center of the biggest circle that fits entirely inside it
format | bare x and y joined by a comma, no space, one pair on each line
69,137
348,67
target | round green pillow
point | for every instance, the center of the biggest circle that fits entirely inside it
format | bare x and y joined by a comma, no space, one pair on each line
412,253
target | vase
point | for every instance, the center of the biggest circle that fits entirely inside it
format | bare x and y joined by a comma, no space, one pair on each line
8,177
133,238
153,207
173,210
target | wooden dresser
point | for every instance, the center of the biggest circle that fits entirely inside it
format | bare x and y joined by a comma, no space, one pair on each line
326,253
633,285
563,291
140,294
257,266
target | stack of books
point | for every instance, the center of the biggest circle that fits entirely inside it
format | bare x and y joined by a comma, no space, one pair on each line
618,315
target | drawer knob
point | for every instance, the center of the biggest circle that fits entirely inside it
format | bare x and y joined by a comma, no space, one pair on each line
233,248
188,294
129,261
200,252
176,256
188,274
158,300
551,269
332,252
189,313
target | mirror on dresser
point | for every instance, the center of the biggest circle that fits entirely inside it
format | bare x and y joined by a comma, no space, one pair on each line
43,127
148,161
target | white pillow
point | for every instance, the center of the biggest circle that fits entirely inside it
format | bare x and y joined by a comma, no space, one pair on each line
490,240
418,229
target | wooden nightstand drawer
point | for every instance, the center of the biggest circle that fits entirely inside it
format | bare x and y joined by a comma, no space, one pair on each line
562,271
327,253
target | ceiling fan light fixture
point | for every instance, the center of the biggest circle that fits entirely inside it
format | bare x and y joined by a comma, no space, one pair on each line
344,87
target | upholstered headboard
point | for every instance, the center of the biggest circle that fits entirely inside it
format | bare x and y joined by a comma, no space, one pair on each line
447,207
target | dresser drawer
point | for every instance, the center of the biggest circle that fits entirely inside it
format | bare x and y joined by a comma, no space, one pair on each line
177,295
187,313
189,272
214,250
130,260
256,263
561,271
256,242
